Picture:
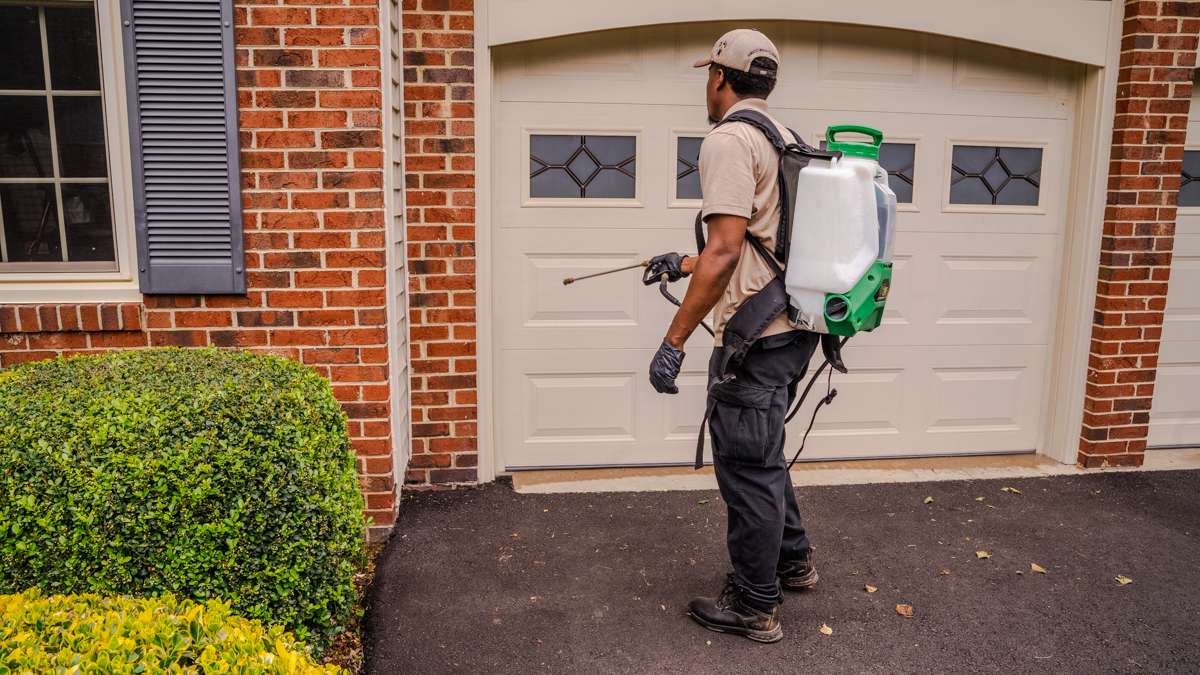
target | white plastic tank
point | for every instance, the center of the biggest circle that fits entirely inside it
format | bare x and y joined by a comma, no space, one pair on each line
836,232
885,204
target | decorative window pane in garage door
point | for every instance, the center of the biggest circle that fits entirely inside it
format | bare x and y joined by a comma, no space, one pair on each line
986,174
687,167
1189,189
898,160
582,166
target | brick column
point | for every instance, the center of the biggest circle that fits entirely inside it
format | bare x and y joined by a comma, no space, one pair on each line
310,103
439,146
1154,87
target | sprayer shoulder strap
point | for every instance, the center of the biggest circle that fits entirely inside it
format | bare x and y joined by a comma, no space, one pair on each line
793,157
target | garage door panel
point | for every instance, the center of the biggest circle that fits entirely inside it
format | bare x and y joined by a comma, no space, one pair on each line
592,407
969,289
887,70
1175,418
1182,319
938,400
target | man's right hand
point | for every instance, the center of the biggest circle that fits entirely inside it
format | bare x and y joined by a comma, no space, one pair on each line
671,264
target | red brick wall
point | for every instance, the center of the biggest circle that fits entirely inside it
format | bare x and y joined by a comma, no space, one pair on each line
439,118
310,105
1154,86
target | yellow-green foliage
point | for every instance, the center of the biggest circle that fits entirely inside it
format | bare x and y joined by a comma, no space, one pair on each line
96,634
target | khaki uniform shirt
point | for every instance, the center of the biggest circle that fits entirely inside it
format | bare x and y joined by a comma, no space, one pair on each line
739,172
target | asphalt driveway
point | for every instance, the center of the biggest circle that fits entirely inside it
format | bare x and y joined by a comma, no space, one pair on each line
487,580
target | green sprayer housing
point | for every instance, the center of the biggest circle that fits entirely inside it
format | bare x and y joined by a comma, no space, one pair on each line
861,308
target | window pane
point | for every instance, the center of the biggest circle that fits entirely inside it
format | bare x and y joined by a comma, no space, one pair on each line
71,36
79,122
985,174
687,167
1189,188
88,217
898,160
575,166
30,223
24,137
20,49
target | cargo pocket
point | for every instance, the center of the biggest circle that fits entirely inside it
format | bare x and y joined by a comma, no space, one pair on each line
740,421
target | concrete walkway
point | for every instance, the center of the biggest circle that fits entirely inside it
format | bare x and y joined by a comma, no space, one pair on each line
487,580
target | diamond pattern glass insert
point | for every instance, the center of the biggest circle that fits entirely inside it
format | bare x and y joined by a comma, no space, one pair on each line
687,167
1002,176
582,166
1189,188
899,160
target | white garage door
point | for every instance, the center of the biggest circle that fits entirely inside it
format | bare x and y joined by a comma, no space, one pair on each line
1175,417
595,144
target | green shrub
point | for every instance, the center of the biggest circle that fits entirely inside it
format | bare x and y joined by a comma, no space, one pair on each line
96,634
204,473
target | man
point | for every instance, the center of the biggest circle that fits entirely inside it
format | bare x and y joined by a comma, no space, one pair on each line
739,168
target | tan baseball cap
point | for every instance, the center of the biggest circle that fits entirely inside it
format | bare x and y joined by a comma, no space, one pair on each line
738,48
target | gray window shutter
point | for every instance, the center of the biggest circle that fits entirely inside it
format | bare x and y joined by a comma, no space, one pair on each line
183,123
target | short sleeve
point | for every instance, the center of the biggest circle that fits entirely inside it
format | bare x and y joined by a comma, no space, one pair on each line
726,176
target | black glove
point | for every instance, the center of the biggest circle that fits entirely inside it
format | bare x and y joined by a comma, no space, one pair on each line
671,263
664,368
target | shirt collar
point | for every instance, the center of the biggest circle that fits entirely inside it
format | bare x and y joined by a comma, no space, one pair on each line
758,104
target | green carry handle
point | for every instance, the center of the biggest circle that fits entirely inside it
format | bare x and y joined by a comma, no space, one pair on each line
854,148
860,308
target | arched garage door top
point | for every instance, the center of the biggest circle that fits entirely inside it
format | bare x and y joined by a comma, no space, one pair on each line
1074,30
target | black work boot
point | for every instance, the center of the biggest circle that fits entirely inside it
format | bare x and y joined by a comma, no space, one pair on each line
797,574
730,613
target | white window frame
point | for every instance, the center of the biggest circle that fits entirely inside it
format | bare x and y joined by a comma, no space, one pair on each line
96,286
572,202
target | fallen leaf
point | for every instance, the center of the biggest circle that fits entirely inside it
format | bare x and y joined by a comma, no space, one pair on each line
1013,490
982,554
944,573
904,610
869,588
1034,567
928,500
1123,580
826,630
979,499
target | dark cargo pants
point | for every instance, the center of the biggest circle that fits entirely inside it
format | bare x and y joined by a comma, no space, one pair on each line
746,425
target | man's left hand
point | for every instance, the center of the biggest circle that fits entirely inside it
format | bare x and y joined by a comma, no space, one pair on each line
664,368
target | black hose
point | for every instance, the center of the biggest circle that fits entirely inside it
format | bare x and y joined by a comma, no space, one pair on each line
662,288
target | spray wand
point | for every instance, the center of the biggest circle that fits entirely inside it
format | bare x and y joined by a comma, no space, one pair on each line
689,263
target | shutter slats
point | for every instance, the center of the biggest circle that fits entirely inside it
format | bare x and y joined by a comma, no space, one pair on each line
183,118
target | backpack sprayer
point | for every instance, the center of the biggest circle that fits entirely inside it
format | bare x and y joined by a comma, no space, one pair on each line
837,249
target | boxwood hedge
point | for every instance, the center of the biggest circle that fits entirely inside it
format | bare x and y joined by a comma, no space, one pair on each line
96,634
204,473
